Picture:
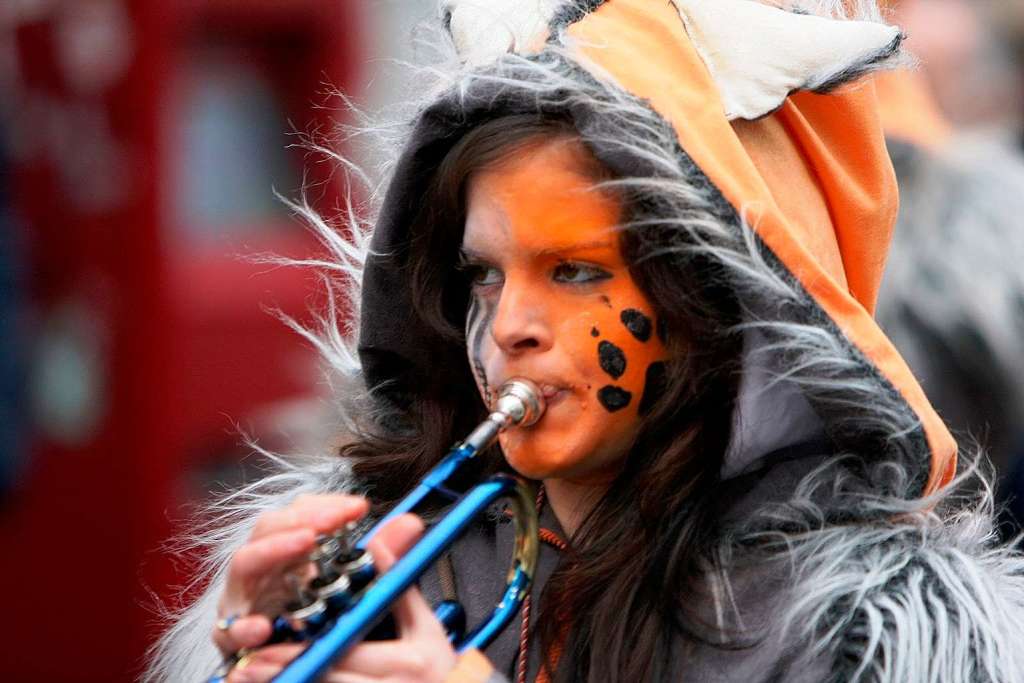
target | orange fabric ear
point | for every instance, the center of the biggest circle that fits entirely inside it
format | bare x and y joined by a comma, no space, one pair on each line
909,111
841,136
767,143
814,179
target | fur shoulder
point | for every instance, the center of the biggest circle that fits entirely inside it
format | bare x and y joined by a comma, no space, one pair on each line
922,600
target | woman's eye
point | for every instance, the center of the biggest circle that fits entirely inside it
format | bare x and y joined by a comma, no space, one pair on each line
576,273
484,275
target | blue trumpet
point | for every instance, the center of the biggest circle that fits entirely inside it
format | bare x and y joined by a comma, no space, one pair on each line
340,607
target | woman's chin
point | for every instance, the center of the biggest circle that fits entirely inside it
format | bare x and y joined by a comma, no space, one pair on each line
536,466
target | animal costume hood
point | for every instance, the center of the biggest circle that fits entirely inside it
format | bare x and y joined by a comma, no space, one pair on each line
750,134
740,123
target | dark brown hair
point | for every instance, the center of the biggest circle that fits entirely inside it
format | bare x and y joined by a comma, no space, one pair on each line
625,580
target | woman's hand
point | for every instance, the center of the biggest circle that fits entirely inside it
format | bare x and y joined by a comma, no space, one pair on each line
279,545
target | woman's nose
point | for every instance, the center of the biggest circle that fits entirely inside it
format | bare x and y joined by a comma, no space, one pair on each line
520,323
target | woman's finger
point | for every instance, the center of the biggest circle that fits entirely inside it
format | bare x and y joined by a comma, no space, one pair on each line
257,562
323,513
277,655
350,677
368,661
383,658
254,673
372,662
265,663
232,634
414,616
394,539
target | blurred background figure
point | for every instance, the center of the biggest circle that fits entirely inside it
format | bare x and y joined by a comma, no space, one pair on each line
968,59
140,145
953,296
1008,20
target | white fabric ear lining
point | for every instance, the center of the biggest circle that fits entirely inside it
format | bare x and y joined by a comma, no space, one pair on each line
758,55
483,30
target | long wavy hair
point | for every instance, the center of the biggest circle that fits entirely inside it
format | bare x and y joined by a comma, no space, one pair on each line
630,565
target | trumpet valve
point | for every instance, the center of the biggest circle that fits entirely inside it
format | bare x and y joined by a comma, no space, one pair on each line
347,574
304,613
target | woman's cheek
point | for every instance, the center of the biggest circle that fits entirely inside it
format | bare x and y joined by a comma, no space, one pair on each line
626,356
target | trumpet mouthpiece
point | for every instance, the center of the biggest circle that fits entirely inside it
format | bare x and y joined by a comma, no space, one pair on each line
520,403
521,400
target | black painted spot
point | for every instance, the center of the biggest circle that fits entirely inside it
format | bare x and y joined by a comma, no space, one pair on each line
637,323
659,329
613,398
606,301
654,386
612,359
594,332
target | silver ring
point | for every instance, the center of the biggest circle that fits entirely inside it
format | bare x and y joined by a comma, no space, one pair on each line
224,623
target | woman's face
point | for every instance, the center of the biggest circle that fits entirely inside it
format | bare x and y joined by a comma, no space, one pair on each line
553,301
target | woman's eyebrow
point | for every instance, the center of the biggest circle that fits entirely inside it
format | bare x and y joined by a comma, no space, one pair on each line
575,247
470,254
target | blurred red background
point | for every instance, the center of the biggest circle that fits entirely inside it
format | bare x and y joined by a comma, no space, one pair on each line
147,140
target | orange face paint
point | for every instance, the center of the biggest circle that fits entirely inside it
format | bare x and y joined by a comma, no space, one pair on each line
553,301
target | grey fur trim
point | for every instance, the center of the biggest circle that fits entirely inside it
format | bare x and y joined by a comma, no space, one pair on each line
928,596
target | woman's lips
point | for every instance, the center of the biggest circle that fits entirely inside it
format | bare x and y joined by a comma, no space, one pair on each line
552,390
553,394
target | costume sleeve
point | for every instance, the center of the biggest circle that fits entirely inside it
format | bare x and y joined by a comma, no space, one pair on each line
473,667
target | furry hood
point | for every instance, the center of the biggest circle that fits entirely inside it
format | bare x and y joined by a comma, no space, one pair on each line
740,129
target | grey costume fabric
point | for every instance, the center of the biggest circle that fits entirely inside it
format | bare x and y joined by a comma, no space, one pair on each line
830,564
